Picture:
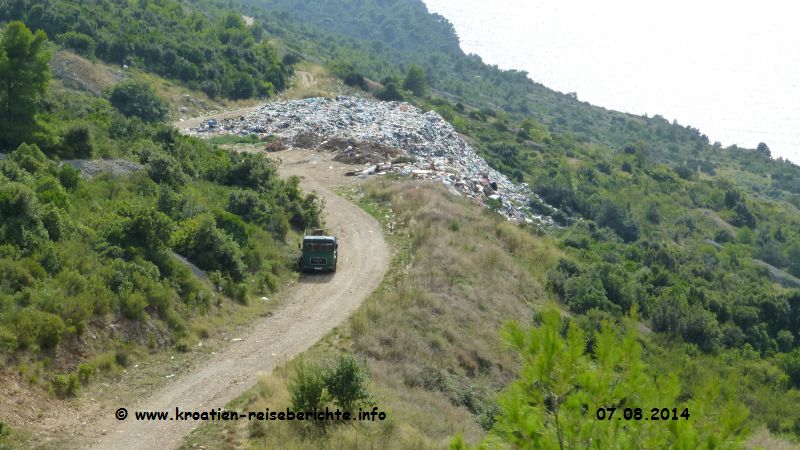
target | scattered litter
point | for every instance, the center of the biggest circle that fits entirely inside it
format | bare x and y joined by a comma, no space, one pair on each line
236,339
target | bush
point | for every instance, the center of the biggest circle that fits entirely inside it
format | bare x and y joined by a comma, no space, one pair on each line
34,326
307,390
133,306
355,79
78,42
416,81
19,210
163,168
790,363
254,171
618,219
145,228
69,177
65,385
390,93
76,144
346,383
122,357
85,373
210,248
8,340
136,99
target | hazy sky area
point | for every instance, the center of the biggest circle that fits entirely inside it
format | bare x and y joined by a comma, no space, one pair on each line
731,69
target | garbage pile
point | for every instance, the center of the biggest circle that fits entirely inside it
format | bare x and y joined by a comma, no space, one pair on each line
390,137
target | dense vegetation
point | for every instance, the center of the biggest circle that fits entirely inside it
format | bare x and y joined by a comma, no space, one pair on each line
703,240
209,50
77,252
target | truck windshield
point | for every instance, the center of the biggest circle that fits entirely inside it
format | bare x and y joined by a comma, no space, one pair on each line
319,246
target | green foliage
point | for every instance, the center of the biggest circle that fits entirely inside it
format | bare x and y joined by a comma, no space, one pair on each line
790,363
314,385
209,247
65,385
346,383
307,389
20,214
561,386
416,81
618,219
76,144
145,228
202,46
390,93
24,78
81,43
163,168
38,327
137,99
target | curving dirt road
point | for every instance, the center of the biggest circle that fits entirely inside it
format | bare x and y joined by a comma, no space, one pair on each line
313,307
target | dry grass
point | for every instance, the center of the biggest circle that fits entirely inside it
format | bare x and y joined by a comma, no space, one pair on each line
77,72
429,335
314,80
763,439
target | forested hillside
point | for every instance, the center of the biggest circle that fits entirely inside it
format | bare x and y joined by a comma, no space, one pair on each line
382,39
703,243
82,249
217,53
703,240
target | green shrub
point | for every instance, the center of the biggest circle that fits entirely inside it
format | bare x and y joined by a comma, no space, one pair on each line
210,248
390,93
307,389
85,373
164,168
137,99
69,177
122,357
54,222
20,212
39,327
77,143
346,383
254,171
65,385
79,42
133,306
8,340
790,363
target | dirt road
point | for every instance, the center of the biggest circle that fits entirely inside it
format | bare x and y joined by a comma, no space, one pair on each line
313,307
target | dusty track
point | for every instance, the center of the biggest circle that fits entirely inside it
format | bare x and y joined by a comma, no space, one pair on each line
314,306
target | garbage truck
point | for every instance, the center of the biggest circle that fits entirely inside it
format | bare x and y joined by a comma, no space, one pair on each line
319,252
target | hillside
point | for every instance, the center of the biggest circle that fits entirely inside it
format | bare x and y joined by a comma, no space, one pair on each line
639,257
409,35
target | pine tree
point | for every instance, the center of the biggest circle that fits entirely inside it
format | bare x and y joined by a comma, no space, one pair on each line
24,76
556,401
416,81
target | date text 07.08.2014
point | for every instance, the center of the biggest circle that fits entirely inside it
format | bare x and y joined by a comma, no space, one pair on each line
654,414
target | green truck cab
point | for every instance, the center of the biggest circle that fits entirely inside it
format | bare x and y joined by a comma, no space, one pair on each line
319,252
